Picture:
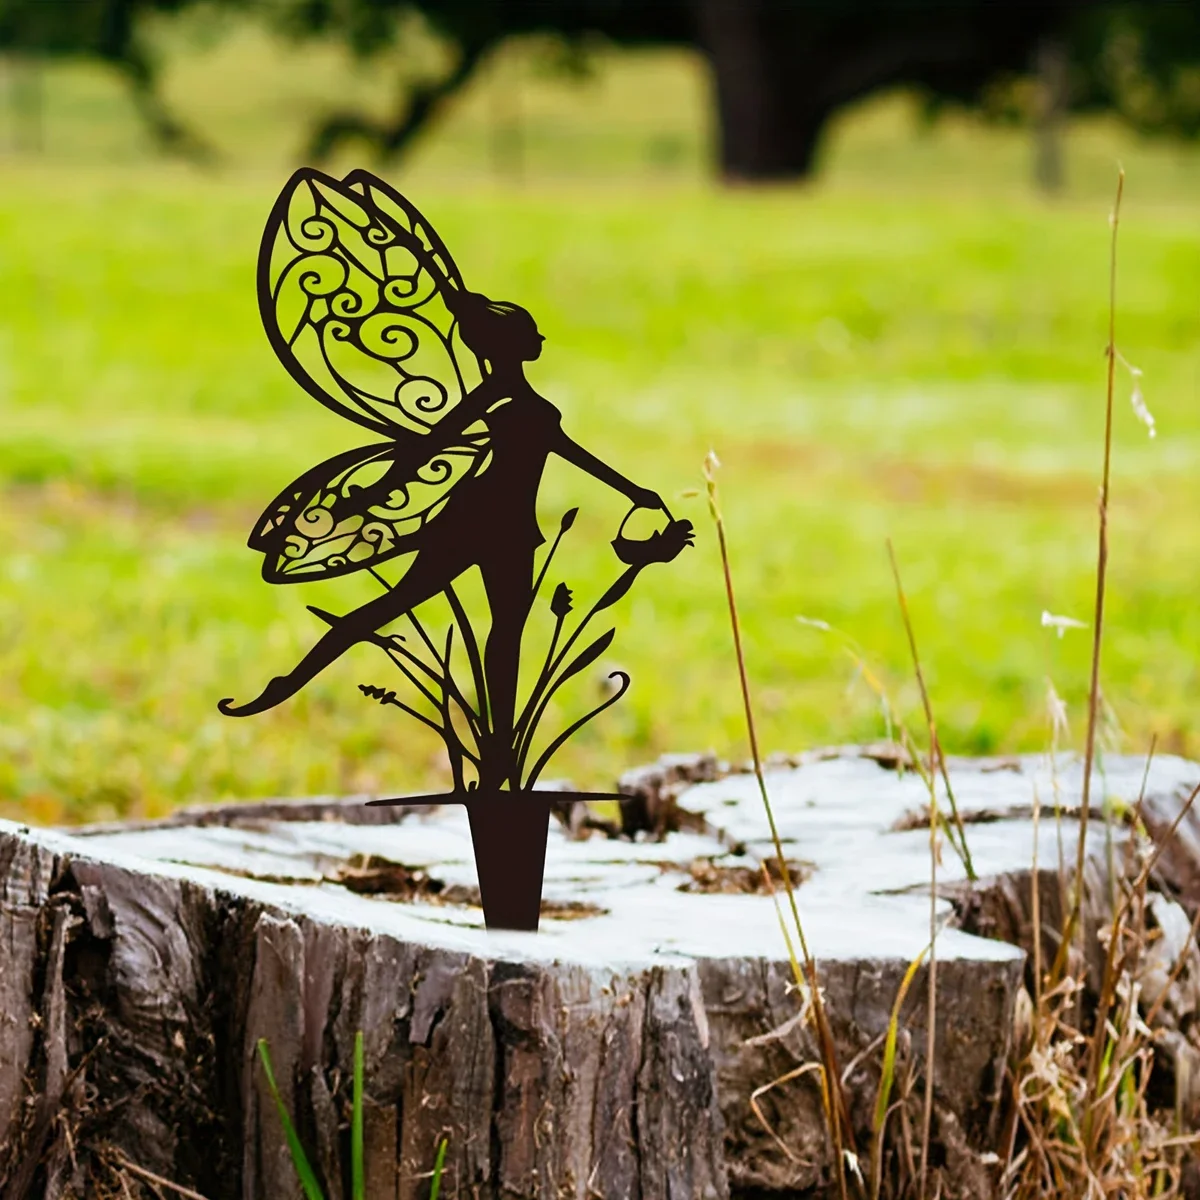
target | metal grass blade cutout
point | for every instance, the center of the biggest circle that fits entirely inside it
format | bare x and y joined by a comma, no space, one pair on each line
528,723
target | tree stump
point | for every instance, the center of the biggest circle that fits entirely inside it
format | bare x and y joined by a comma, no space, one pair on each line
622,1052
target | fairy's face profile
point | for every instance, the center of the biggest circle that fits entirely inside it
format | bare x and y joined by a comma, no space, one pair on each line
502,333
527,340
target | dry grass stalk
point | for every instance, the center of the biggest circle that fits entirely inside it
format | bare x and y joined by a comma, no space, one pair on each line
1117,931
1081,1122
937,760
930,775
156,1181
1081,1098
837,1110
883,1105
931,1000
1080,1092
1176,970
1089,753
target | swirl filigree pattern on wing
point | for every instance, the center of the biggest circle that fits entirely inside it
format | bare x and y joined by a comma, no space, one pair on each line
359,509
355,291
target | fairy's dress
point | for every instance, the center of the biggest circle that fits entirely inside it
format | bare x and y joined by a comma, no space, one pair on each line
496,510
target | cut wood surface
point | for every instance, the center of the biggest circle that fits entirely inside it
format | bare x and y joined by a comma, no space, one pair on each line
614,1054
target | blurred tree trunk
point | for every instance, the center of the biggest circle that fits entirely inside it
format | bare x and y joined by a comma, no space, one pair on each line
769,118
1051,69
507,126
27,103
781,70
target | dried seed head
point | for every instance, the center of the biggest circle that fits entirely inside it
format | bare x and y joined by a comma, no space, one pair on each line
560,603
1060,624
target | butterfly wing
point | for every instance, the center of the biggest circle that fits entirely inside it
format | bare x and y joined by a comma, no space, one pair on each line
355,291
360,508
403,214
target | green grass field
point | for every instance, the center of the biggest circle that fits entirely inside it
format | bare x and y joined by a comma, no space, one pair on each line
913,348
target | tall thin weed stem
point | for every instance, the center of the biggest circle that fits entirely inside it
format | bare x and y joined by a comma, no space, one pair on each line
1089,753
936,766
937,760
931,1000
1083,1122
836,1107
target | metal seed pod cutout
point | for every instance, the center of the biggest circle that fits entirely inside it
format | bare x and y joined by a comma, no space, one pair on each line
367,311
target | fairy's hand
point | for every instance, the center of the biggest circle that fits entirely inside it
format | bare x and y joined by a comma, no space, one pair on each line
645,498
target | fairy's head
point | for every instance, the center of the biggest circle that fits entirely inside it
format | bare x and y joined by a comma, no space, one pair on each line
503,334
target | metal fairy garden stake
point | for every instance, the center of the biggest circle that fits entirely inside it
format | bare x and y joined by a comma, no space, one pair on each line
368,312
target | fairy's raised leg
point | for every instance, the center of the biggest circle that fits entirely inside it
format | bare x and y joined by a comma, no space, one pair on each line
427,576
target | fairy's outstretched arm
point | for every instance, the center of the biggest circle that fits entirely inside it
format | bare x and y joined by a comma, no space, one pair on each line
585,460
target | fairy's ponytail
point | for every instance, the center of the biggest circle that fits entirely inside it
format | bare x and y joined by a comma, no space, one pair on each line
484,324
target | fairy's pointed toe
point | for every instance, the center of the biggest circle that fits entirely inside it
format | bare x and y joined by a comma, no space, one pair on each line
276,692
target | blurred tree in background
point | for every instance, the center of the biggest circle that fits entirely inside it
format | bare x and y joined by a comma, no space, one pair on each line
780,68
109,30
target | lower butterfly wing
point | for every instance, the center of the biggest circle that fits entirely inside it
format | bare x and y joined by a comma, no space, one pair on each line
360,508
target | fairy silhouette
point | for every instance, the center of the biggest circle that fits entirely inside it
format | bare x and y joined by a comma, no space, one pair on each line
367,311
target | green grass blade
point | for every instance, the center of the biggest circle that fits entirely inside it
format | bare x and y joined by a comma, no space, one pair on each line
358,1187
308,1179
883,1099
438,1167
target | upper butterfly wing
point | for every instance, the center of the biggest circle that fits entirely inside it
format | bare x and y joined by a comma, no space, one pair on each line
400,211
360,508
355,288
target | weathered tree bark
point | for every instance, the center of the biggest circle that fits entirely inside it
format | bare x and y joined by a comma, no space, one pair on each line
621,1052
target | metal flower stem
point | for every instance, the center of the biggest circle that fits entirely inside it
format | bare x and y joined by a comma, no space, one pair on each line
456,749
471,645
446,679
451,734
536,704
398,655
476,720
559,621
604,602
583,659
553,748
420,631
568,519
387,696
544,689
394,651
454,743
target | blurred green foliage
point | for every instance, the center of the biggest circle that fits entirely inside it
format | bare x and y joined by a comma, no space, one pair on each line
915,348
1138,59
